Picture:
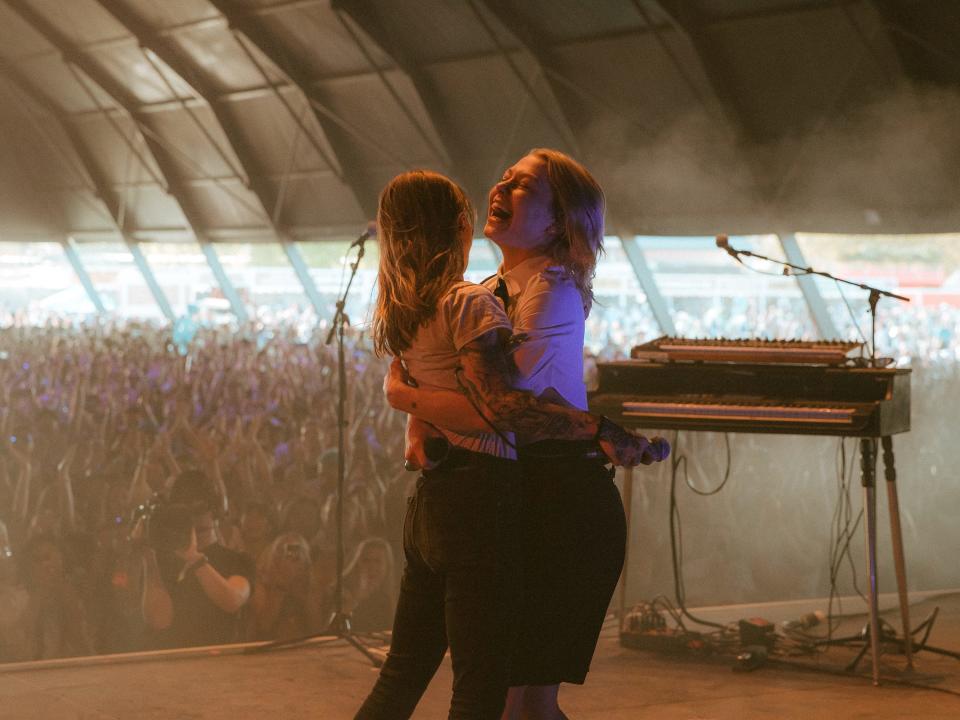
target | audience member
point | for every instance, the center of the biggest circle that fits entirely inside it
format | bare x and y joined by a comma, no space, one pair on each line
194,587
281,602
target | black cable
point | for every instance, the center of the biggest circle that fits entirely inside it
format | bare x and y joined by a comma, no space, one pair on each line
676,538
843,530
726,473
853,318
928,628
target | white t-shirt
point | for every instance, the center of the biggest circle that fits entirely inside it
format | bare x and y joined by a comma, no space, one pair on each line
465,313
548,318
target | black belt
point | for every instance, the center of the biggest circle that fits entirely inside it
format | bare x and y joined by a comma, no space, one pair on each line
562,449
457,457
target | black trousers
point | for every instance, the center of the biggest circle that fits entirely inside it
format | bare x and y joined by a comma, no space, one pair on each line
460,588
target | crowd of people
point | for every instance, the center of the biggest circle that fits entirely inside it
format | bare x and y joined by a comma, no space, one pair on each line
100,420
112,439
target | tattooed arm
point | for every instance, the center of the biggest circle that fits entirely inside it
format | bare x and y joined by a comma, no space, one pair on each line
485,381
453,410
485,378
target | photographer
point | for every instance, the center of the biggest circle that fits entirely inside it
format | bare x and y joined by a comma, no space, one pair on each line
194,588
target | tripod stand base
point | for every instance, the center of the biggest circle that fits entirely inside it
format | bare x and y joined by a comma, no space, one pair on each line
906,645
339,628
886,632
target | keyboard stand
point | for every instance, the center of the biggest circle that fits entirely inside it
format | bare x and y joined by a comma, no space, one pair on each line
868,461
896,539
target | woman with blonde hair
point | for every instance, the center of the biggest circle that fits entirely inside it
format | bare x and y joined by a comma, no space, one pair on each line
368,586
281,606
461,579
546,216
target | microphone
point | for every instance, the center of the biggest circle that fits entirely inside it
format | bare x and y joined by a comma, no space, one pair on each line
370,232
723,242
436,448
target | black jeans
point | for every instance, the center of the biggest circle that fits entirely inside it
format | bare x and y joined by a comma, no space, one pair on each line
461,587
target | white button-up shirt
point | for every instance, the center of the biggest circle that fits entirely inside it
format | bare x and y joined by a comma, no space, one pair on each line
548,316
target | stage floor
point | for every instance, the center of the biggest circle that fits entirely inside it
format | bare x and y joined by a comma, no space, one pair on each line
328,681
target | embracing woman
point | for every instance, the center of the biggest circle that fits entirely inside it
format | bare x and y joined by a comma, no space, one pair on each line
462,580
546,216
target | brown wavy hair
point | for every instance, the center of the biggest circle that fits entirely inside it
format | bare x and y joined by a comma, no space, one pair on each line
578,207
420,217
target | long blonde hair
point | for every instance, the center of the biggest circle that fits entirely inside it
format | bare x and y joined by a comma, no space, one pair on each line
578,206
271,555
420,218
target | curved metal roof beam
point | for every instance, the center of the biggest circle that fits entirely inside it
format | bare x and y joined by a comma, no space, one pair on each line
334,127
529,42
101,189
454,146
687,20
82,161
442,153
79,63
162,49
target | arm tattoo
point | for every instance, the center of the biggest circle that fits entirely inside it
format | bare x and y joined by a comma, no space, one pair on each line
486,380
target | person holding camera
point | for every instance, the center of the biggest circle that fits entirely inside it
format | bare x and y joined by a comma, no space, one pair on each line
194,587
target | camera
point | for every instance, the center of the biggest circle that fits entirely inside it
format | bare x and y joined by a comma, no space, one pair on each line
164,526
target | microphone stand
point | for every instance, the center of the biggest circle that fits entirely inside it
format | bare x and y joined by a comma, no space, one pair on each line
339,625
791,269
872,637
339,628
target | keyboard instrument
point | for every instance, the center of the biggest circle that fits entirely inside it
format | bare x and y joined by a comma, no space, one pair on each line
789,387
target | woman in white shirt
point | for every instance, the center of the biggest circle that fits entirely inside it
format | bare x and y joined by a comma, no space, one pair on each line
462,573
546,216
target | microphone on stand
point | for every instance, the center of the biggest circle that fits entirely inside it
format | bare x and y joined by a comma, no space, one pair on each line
370,232
723,242
340,317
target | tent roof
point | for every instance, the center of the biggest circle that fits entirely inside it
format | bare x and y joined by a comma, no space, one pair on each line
258,119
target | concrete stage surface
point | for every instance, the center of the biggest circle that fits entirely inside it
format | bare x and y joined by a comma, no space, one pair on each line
328,681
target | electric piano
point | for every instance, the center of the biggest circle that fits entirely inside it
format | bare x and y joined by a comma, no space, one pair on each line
753,386
771,386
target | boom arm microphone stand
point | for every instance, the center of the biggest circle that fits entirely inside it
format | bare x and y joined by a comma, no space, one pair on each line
339,625
790,269
871,636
